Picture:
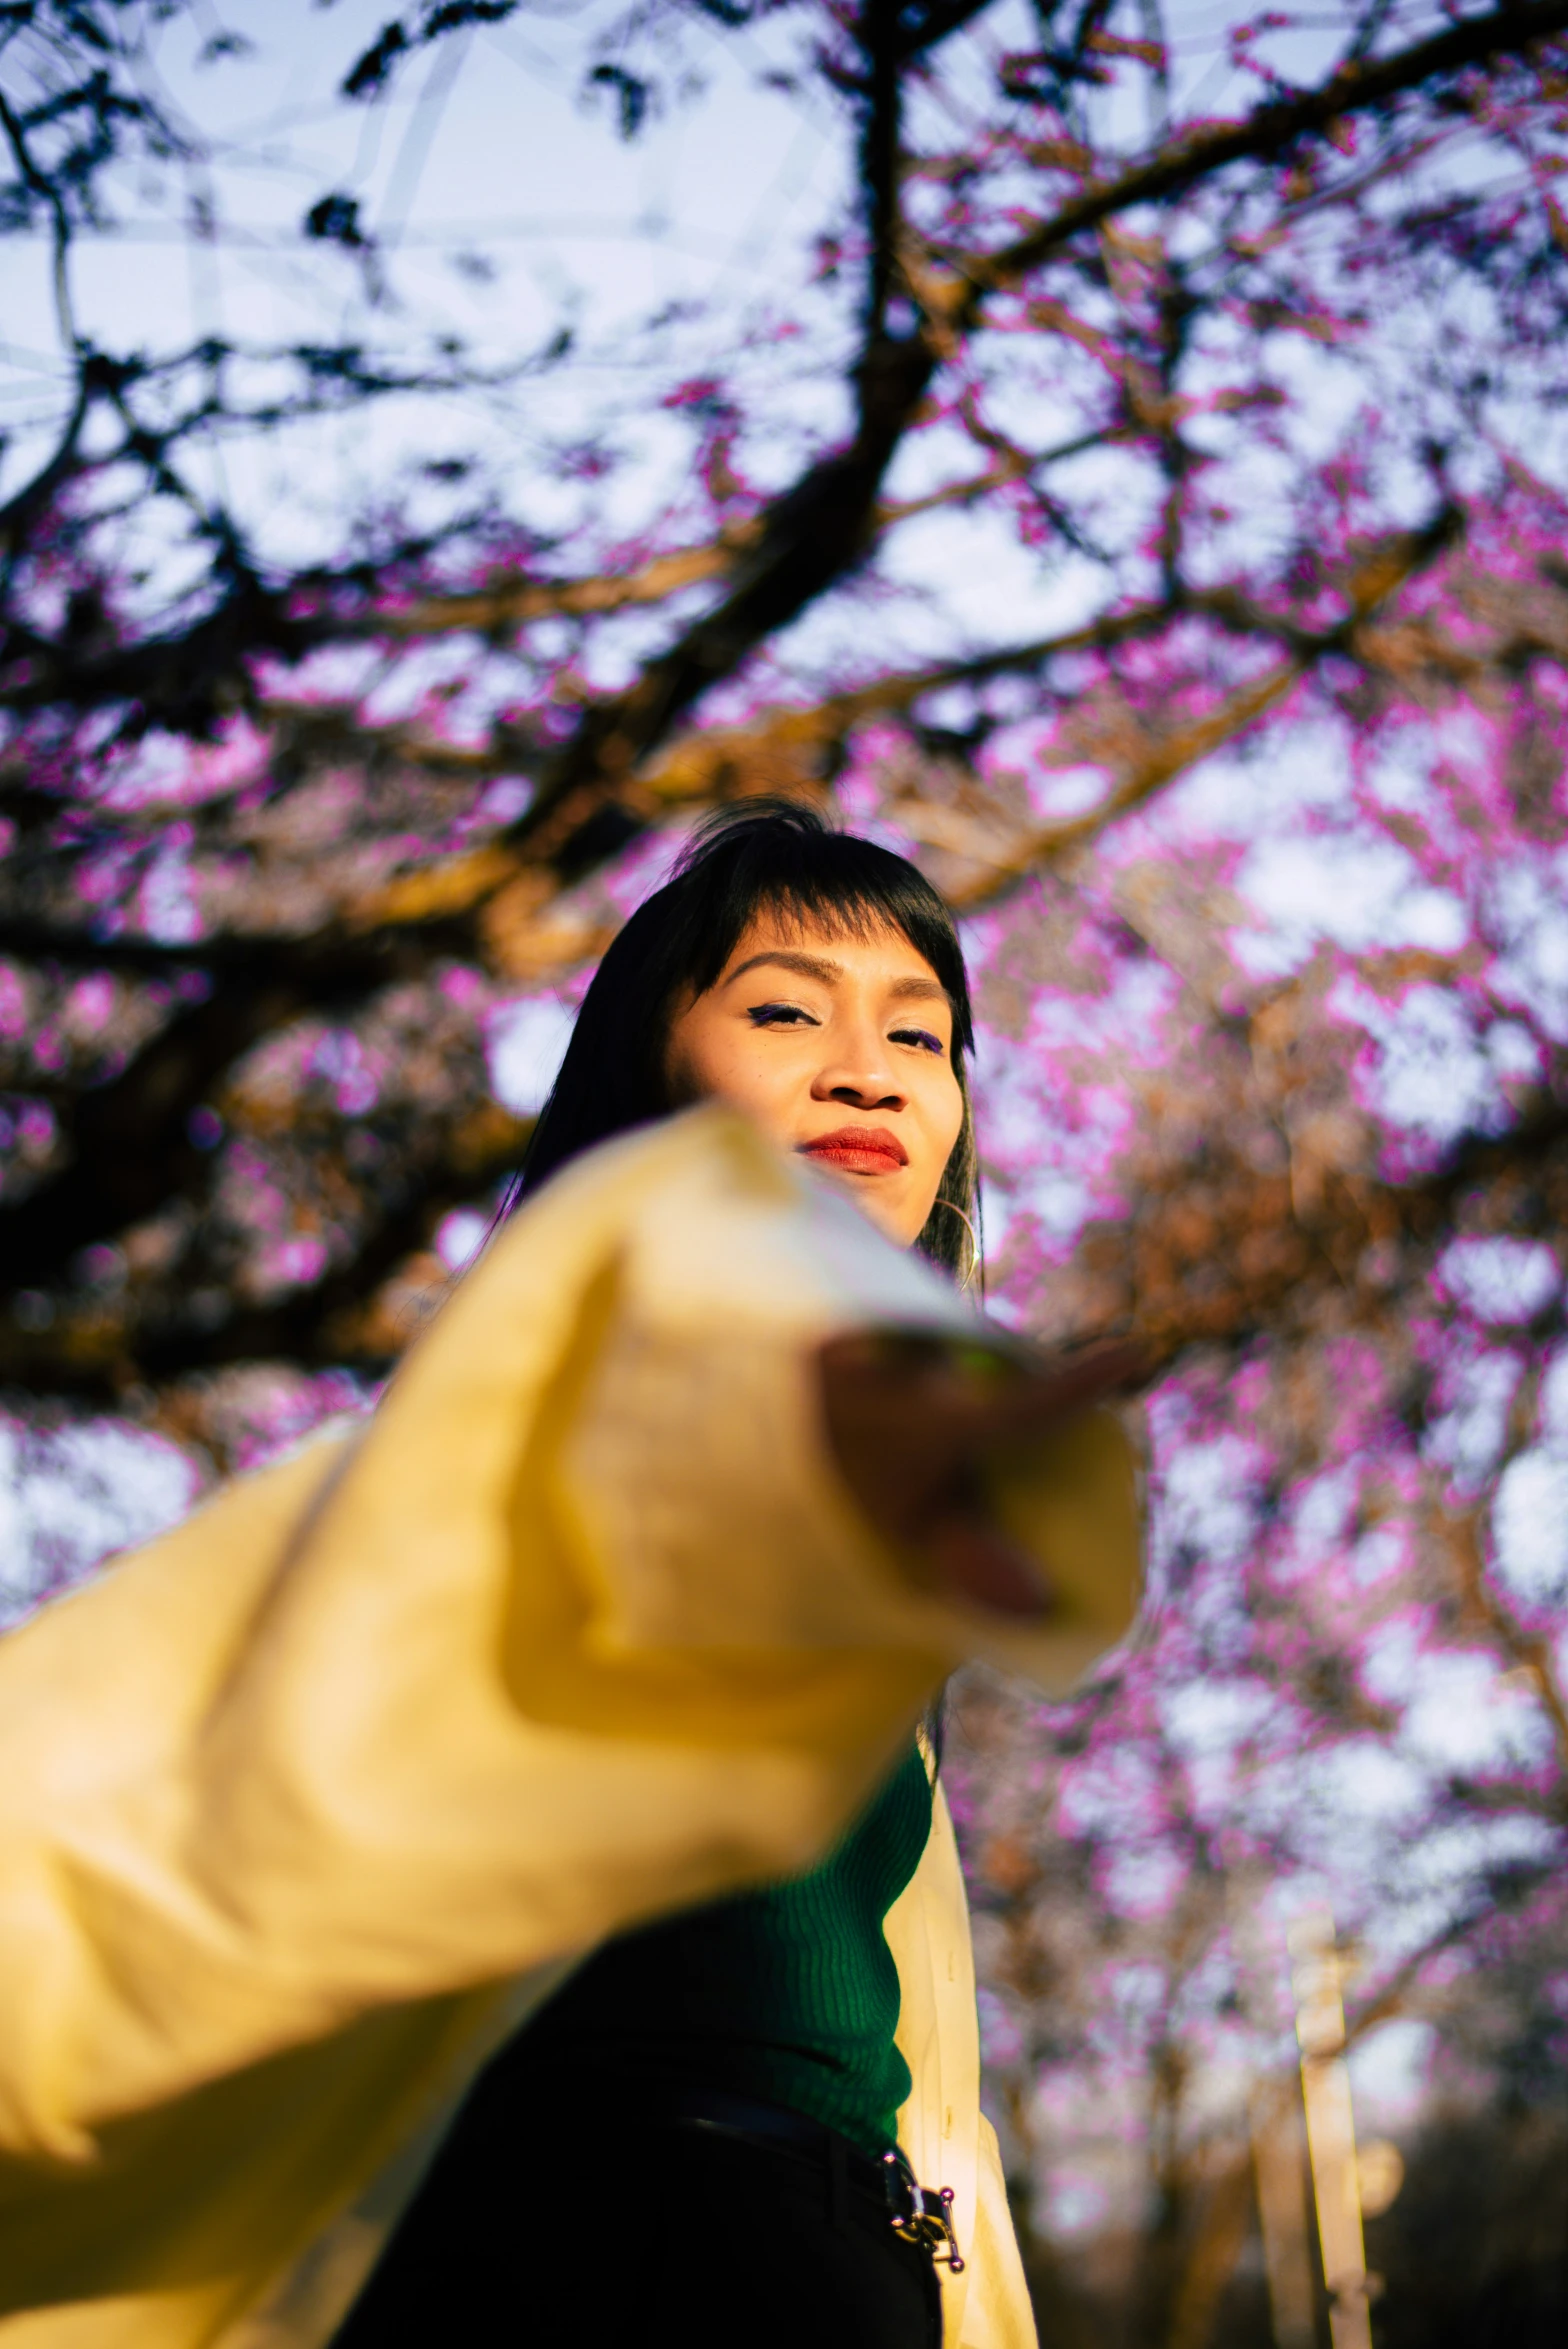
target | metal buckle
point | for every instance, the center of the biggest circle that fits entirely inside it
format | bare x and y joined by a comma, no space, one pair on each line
919,2216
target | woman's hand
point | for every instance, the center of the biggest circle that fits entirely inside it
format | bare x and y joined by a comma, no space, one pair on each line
912,1422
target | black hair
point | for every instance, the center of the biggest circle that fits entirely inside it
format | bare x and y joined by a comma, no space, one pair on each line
770,856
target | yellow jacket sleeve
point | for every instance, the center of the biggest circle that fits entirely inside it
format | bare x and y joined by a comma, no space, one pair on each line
304,1805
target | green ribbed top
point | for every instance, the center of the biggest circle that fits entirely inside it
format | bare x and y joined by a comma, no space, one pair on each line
789,1994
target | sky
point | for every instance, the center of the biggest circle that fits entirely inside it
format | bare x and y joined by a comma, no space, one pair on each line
501,202
488,145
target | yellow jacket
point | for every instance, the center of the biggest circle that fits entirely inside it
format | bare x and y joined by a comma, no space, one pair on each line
308,1804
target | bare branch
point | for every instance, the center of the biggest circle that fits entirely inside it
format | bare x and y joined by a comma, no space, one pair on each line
512,603
26,503
1174,753
96,1352
1200,154
48,194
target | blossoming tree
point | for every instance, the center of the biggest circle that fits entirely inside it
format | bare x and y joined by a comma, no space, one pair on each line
1145,503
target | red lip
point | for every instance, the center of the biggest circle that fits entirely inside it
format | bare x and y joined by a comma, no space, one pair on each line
870,1150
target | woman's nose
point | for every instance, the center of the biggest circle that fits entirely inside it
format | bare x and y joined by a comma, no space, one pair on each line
860,1078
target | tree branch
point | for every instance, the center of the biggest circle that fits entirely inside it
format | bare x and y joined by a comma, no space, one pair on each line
48,194
1199,154
94,1354
818,532
513,603
129,1141
1174,753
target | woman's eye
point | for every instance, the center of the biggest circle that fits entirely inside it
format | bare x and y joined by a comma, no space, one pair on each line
921,1036
780,1015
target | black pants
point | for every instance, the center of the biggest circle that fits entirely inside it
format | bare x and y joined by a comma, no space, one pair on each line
614,2232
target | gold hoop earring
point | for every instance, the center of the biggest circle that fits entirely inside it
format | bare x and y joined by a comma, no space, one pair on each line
953,1208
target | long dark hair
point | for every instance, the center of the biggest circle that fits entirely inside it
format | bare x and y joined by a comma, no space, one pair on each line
775,857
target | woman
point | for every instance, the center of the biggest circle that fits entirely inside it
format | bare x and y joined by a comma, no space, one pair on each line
574,1691
815,981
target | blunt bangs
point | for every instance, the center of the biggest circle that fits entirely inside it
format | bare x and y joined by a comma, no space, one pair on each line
788,863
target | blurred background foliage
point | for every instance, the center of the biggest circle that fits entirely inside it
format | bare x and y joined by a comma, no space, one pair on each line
1112,450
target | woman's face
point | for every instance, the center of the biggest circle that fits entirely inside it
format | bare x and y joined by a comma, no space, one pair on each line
840,1048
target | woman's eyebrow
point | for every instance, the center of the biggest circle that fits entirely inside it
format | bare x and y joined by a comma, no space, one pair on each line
805,966
822,967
